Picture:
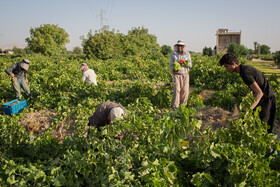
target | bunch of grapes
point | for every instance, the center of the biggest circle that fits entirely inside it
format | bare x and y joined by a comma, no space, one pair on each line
177,66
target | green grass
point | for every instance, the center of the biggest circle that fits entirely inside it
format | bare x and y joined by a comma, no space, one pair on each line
268,68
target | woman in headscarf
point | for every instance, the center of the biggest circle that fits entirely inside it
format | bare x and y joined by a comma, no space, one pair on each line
180,77
89,75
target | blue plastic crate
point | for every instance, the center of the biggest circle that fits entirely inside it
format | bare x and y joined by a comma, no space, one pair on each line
16,108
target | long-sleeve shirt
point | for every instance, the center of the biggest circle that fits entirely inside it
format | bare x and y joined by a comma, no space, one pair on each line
100,116
89,76
16,70
176,56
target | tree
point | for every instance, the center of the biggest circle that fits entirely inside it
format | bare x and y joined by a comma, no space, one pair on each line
77,50
207,51
277,58
47,39
140,42
18,50
104,44
166,50
264,49
27,50
251,51
238,49
257,48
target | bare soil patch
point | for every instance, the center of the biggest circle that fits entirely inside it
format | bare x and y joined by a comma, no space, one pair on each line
217,118
38,122
214,117
206,94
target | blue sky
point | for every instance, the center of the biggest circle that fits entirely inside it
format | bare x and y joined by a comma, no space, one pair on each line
194,21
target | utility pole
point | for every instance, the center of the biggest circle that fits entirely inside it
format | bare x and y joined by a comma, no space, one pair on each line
101,14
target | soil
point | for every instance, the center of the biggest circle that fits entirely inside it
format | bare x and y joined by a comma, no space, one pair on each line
205,94
38,122
214,117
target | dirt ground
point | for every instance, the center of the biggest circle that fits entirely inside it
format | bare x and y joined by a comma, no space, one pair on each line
38,122
214,117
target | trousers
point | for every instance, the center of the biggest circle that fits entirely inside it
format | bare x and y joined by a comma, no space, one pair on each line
180,89
20,83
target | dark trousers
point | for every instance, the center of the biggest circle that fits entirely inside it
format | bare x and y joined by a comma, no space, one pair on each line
268,111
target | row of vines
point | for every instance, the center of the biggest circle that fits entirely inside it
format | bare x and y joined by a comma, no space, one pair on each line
159,146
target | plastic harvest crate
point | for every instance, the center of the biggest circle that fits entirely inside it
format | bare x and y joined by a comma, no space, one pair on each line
16,108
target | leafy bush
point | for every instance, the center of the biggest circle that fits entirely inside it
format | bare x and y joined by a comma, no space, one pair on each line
277,58
237,49
105,44
166,50
207,51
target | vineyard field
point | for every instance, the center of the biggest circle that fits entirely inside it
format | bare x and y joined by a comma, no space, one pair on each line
214,140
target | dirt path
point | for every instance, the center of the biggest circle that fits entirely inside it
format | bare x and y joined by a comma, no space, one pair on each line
270,63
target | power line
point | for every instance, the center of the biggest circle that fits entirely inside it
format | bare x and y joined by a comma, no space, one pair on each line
102,18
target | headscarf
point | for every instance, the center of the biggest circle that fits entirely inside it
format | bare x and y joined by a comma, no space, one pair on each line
84,67
116,112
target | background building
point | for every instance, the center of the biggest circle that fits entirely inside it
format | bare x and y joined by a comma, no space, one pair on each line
224,38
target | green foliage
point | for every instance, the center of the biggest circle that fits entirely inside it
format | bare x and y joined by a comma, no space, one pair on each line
207,51
257,49
146,148
265,49
277,58
166,50
261,49
208,74
237,49
226,98
105,44
18,51
139,41
47,39
77,50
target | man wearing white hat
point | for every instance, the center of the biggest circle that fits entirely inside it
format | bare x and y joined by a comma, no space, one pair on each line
180,77
18,72
106,113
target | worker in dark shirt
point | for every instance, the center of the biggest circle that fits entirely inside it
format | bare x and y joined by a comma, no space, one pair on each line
105,113
18,73
256,81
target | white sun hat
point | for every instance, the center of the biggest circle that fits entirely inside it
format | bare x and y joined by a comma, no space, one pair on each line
180,42
116,112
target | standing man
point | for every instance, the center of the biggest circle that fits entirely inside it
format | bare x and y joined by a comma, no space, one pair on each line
180,77
18,72
256,81
89,75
